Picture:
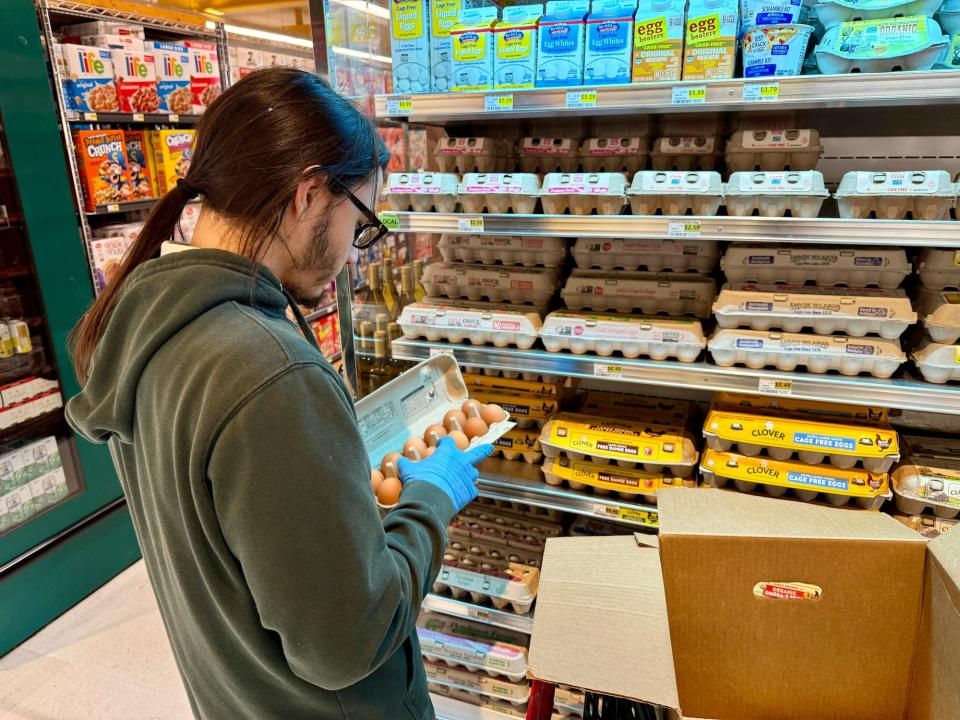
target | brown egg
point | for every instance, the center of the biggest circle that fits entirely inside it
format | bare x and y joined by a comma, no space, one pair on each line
389,458
454,420
390,471
471,408
390,491
414,448
474,427
492,414
376,478
433,434
460,439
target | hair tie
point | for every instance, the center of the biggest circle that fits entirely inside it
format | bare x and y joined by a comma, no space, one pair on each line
187,189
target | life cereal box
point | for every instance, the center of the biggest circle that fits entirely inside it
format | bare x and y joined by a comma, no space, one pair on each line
106,254
88,80
138,168
136,80
102,157
204,73
171,154
172,62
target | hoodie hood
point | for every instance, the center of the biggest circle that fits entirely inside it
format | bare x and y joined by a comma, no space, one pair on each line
159,299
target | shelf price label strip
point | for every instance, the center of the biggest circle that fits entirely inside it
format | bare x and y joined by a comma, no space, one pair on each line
688,95
498,103
761,92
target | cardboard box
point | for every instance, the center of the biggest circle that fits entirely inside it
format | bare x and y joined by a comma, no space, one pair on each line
102,161
135,78
711,624
88,79
172,64
204,73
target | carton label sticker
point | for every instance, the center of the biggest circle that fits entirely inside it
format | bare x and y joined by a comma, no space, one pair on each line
683,229
761,92
827,442
818,481
787,591
391,221
399,106
683,95
772,386
418,400
646,518
776,139
498,103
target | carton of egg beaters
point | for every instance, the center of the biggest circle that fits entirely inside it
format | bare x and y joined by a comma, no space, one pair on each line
658,41
710,42
473,50
560,49
515,61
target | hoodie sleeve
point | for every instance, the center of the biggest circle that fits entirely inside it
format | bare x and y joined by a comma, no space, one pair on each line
291,487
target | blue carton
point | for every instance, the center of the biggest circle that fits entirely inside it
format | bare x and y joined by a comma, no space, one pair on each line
561,43
609,50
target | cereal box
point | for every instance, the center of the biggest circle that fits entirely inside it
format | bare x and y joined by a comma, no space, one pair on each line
106,255
136,80
138,169
171,153
88,80
204,73
102,158
172,64
104,27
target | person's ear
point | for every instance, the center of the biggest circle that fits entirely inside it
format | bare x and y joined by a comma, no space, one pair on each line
310,191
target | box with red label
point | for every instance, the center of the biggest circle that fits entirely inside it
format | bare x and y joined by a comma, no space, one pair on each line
102,161
204,73
135,77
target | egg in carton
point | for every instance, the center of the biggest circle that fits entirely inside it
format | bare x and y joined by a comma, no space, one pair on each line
826,310
772,150
499,192
568,700
820,265
501,582
520,444
628,443
515,693
472,155
648,293
699,192
527,411
658,338
774,194
928,477
614,154
937,362
831,13
922,194
685,153
583,193
475,646
485,547
504,249
484,528
548,155
843,444
518,522
865,45
495,283
458,322
929,527
667,255
421,192
939,268
941,314
834,485
604,479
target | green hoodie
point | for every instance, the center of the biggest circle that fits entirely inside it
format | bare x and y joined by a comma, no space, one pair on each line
283,593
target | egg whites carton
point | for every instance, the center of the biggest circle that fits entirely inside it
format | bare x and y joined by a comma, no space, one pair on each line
525,521
872,46
939,268
548,155
504,249
825,310
583,193
929,527
482,547
605,479
568,700
648,293
923,194
652,255
874,445
475,646
833,12
473,155
614,154
675,193
513,506
656,337
774,194
457,323
516,693
824,266
500,582
499,192
938,362
520,444
940,312
685,153
496,283
421,192
928,487
773,150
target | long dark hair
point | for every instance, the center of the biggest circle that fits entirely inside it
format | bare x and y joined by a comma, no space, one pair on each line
252,147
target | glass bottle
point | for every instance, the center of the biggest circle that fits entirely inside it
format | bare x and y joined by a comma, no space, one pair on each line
406,286
389,290
418,292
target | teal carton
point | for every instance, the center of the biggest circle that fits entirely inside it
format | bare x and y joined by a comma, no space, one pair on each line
473,50
515,61
410,45
609,48
560,43
443,16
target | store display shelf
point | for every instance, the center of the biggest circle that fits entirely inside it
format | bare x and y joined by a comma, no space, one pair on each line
904,393
478,613
450,709
132,118
120,207
180,22
833,231
321,312
42,425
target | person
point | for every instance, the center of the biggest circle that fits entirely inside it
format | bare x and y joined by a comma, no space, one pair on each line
283,592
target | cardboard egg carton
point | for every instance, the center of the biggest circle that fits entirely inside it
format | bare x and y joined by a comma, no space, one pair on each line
834,485
473,155
614,154
937,362
927,479
514,544
583,193
772,150
481,702
529,520
531,410
499,192
458,323
939,268
774,194
914,420
648,293
520,444
495,283
503,249
786,406
825,266
548,155
658,338
675,193
478,382
865,45
499,582
833,12
685,153
485,547
512,374
825,310
941,314
928,526
515,693
657,410
606,479
568,700
513,506
421,192
499,652
508,530
922,194
844,444
651,255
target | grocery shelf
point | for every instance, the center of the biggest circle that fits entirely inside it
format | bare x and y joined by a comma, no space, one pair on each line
450,709
478,613
120,207
123,117
921,233
46,424
321,312
904,393
179,22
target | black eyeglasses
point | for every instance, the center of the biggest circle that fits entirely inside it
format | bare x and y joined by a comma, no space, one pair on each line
367,233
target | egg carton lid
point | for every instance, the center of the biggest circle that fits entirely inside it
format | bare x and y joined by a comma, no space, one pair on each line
501,183
483,684
816,256
932,449
833,12
767,341
613,146
808,183
929,526
421,184
515,519
507,242
679,145
914,481
474,630
939,259
491,531
495,383
471,146
939,307
700,285
761,141
849,41
604,183
482,306
489,657
936,354
657,410
801,407
502,707
934,183
613,477
645,246
652,328
548,146
468,273
459,316
660,182
813,301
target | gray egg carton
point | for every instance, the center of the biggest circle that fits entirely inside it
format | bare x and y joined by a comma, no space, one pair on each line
772,150
499,192
924,194
939,268
928,477
938,362
614,154
940,311
473,154
648,293
857,47
833,12
821,265
774,194
583,193
699,192
685,153
421,192
531,251
548,155
652,255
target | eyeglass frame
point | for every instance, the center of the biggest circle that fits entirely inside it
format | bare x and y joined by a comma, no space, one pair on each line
375,221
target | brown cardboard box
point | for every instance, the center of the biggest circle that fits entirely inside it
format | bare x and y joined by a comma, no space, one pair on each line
682,626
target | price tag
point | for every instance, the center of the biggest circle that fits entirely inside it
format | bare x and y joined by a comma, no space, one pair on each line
173,117
391,220
399,106
434,352
771,386
498,103
138,117
113,208
683,228
470,224
689,95
478,613
92,117
581,99
761,92
648,518
607,370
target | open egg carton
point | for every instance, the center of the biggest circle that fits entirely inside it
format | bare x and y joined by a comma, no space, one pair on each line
648,293
940,311
939,268
937,362
458,322
500,582
834,485
473,155
525,519
614,154
421,192
929,526
666,255
927,479
504,249
825,266
479,683
528,410
495,283
499,192
656,337
583,193
675,193
880,45
812,441
604,479
520,444
921,194
826,310
548,155
498,652
773,150
774,194
685,153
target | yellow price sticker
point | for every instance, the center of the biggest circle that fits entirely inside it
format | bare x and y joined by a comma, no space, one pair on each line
761,92
173,117
581,99
399,105
91,117
470,224
497,103
686,95
771,386
683,228
138,117
638,517
113,208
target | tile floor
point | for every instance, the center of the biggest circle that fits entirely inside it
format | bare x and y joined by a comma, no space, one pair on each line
106,659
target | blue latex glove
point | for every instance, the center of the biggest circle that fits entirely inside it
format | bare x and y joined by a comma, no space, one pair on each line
450,469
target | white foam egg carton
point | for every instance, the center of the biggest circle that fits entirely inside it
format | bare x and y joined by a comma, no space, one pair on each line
772,150
937,362
685,153
652,255
496,283
939,268
648,293
884,45
516,693
459,323
500,582
833,12
825,310
928,481
421,192
520,444
826,266
605,479
583,193
774,194
941,314
548,154
675,192
818,353
473,154
505,249
614,154
499,192
658,338
923,194
458,644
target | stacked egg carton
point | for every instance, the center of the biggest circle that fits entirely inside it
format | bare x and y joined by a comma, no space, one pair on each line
916,194
938,354
926,482
421,192
464,155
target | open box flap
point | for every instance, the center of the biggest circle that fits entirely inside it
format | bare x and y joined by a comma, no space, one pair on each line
601,620
946,550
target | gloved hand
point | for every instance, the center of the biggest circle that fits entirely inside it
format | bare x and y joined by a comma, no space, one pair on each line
450,469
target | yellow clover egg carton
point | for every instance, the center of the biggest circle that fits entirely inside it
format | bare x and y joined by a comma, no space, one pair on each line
606,479
520,444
